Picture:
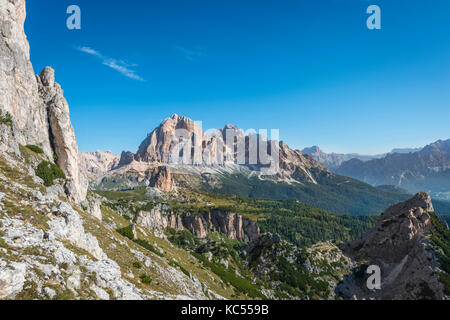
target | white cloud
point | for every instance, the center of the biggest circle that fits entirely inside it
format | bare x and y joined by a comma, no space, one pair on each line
189,53
119,65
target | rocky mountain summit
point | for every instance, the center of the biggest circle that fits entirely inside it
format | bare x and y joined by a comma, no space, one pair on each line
33,108
427,169
401,245
180,147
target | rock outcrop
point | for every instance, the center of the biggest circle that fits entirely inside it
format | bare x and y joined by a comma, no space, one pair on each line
399,244
126,158
162,179
39,113
233,225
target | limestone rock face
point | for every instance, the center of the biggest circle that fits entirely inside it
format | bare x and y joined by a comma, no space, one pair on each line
233,225
160,143
18,86
39,111
12,279
92,204
399,245
298,166
126,157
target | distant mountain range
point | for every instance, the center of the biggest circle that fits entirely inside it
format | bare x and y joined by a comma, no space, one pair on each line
334,160
425,170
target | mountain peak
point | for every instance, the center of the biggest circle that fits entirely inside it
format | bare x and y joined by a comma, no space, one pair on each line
312,150
420,200
177,117
398,229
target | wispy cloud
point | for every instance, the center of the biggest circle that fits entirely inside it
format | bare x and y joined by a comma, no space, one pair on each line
121,66
190,54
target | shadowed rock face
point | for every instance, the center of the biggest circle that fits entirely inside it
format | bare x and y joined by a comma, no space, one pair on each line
158,146
398,244
40,113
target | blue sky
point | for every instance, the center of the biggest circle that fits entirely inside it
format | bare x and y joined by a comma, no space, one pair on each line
310,68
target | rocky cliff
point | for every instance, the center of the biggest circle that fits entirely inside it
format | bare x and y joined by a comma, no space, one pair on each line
34,106
233,225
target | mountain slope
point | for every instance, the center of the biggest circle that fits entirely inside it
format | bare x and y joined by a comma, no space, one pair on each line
307,259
